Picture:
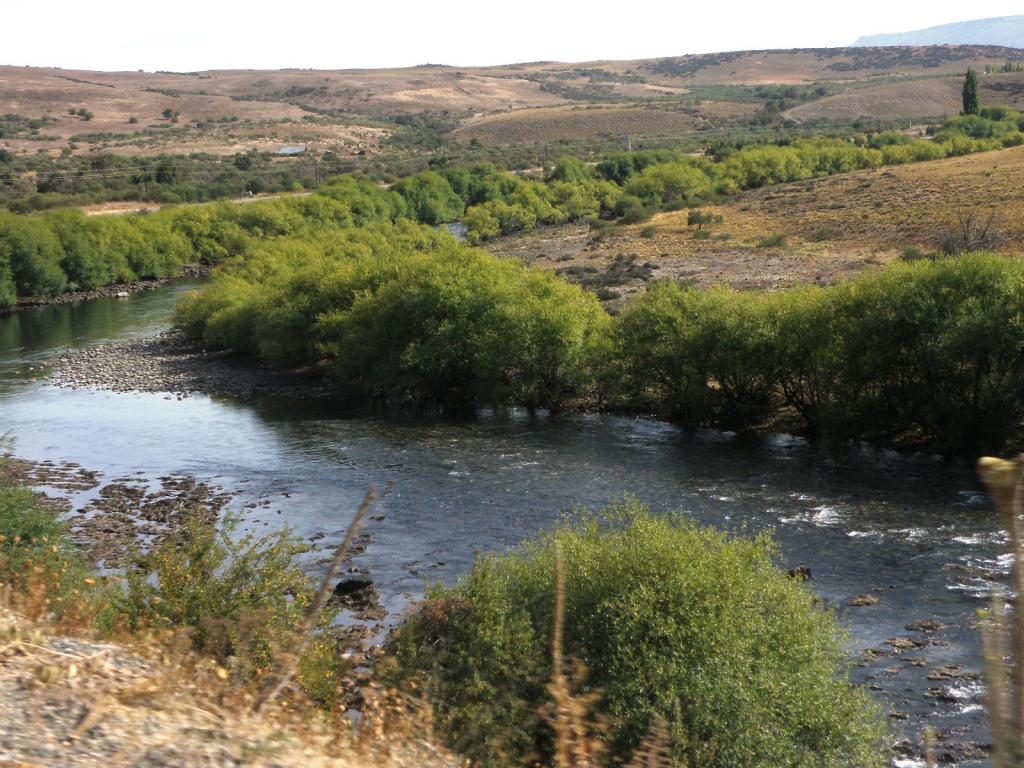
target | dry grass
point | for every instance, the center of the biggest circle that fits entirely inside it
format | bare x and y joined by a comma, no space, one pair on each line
909,99
72,702
893,207
270,106
540,125
1004,638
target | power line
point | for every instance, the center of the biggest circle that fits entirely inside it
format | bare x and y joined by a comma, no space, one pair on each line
150,171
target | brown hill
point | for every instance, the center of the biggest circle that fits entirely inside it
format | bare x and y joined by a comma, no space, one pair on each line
929,98
351,110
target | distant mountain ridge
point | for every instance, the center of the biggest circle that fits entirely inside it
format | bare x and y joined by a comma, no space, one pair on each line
1007,31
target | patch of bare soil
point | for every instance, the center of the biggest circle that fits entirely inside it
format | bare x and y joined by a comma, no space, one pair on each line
540,125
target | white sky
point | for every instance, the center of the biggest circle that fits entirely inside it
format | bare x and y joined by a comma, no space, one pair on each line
186,35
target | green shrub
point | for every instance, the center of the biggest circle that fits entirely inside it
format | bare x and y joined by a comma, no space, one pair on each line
481,224
922,353
241,598
404,314
430,198
35,551
34,254
367,202
480,183
911,253
91,259
672,183
772,241
632,210
570,169
698,218
463,327
931,354
670,620
511,218
8,291
762,166
539,200
701,356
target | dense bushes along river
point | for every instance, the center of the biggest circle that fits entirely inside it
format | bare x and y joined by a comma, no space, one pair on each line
44,256
926,354
923,354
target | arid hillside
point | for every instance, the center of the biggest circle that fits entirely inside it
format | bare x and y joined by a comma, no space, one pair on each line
816,231
810,65
908,99
578,122
352,111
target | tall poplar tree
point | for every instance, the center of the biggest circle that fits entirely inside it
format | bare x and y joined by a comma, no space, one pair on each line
971,106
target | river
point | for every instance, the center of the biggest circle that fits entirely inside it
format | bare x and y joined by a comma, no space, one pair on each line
916,532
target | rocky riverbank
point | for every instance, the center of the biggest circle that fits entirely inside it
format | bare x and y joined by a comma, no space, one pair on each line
172,364
115,291
107,519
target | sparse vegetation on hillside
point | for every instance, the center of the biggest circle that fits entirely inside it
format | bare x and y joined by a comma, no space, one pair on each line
29,184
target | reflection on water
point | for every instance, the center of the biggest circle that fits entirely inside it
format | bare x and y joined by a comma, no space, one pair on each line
32,335
916,532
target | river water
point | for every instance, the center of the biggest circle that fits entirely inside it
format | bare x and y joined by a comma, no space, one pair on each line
916,532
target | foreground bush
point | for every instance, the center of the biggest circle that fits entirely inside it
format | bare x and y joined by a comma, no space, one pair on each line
671,620
240,600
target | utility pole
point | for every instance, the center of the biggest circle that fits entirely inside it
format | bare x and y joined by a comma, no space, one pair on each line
629,143
316,168
145,180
